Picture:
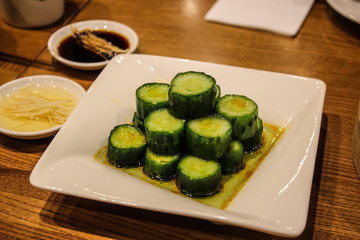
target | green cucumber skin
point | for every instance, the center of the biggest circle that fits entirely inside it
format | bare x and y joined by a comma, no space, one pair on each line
138,122
254,142
194,106
162,172
199,188
243,126
207,147
232,161
144,108
216,97
164,142
124,157
203,148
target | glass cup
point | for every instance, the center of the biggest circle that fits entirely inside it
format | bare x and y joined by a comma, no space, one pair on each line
31,13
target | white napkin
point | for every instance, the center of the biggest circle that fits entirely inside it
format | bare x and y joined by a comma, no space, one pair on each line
284,17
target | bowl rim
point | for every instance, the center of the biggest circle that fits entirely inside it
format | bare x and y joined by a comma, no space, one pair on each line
65,31
16,84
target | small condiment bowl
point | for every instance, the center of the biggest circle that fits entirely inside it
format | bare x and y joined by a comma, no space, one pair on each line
106,25
38,81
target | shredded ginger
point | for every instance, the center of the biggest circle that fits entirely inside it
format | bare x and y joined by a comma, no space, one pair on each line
97,45
43,104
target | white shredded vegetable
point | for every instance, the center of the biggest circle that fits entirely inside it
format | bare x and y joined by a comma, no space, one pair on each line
48,104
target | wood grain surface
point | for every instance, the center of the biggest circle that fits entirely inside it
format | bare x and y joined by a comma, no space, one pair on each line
327,47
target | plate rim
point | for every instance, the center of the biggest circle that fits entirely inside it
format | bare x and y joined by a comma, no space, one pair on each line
334,5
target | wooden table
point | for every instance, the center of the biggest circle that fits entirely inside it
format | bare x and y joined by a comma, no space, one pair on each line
327,47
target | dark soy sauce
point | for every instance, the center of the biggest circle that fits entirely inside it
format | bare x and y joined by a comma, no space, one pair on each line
71,50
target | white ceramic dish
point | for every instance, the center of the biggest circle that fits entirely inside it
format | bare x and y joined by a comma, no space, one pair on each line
348,8
39,80
274,200
66,31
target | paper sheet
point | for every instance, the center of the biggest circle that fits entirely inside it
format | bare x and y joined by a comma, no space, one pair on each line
280,16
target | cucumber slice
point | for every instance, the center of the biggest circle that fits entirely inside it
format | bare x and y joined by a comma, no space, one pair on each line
254,142
216,96
150,97
232,161
126,146
197,177
138,122
242,112
164,133
208,137
191,95
160,167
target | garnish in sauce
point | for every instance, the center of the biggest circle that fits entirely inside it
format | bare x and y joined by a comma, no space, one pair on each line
92,46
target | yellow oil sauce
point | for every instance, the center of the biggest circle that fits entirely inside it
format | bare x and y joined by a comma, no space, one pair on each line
36,108
231,184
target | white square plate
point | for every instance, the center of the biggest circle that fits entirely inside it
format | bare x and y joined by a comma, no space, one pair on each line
275,199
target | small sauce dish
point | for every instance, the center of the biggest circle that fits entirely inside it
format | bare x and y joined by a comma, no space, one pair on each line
92,25
37,81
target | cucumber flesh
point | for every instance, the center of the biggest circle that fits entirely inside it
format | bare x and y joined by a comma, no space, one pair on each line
164,133
160,167
150,97
216,96
191,95
126,146
233,161
191,83
208,137
197,177
242,112
254,142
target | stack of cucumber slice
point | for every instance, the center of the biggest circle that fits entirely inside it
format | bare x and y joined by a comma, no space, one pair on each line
187,132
